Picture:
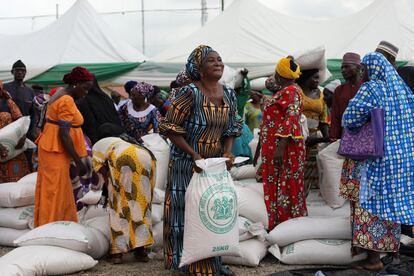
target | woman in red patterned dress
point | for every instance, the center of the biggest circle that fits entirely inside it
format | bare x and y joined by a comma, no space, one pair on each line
283,149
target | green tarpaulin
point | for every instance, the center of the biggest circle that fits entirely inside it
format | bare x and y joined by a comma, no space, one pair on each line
102,71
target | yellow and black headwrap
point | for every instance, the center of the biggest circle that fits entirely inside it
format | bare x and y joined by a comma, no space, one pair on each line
288,69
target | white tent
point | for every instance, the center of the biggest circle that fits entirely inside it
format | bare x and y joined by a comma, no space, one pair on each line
250,34
79,36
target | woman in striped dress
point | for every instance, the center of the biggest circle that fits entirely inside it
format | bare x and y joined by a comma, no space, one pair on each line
200,124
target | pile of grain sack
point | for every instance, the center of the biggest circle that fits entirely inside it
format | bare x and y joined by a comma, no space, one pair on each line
68,247
324,237
55,248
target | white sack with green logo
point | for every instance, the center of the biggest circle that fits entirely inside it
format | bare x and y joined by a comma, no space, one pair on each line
210,226
316,252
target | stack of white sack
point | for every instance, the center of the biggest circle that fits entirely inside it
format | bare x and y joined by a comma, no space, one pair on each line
330,168
161,150
252,223
16,208
58,248
313,240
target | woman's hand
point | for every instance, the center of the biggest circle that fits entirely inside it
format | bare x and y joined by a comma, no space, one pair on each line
82,169
3,152
21,142
312,141
196,157
278,157
229,163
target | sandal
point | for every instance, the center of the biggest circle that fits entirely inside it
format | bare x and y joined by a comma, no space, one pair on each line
141,255
116,258
226,271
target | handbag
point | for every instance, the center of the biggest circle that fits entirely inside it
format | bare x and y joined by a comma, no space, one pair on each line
367,142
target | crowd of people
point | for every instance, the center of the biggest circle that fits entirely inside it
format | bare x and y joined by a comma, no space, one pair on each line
87,139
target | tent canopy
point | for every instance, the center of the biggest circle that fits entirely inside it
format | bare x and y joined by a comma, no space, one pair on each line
80,36
249,32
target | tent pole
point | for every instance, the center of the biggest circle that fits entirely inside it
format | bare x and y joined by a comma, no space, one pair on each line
143,26
222,5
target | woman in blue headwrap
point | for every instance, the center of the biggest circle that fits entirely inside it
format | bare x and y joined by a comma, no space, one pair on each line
138,116
201,123
381,190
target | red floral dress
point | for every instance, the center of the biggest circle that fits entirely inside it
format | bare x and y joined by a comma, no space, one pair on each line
283,185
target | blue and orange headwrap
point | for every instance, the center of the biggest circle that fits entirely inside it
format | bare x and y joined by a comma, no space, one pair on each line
288,69
195,60
143,88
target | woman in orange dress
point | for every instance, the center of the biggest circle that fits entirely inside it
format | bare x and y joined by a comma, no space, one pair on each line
60,142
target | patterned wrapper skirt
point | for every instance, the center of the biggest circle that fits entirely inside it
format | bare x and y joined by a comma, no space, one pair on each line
14,169
368,232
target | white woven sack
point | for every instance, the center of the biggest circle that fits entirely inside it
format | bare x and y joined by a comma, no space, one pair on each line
243,172
92,211
251,203
251,253
8,235
249,229
44,260
210,225
91,198
157,233
317,207
331,164
66,234
309,228
157,213
161,150
158,196
10,136
16,218
30,178
316,252
101,224
17,194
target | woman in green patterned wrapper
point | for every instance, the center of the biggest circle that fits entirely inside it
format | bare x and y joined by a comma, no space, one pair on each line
201,123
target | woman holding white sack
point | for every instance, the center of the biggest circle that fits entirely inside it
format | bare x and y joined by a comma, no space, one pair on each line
131,171
16,168
201,123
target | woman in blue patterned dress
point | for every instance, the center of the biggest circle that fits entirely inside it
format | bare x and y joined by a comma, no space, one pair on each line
201,123
381,190
138,116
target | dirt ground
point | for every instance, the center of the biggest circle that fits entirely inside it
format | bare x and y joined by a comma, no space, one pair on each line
156,268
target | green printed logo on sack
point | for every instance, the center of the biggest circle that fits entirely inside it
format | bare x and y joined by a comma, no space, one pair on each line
332,242
218,208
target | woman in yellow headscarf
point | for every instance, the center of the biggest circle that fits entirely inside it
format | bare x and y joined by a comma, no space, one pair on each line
283,148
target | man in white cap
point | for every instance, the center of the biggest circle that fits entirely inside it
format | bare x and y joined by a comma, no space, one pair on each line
328,91
389,51
351,72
